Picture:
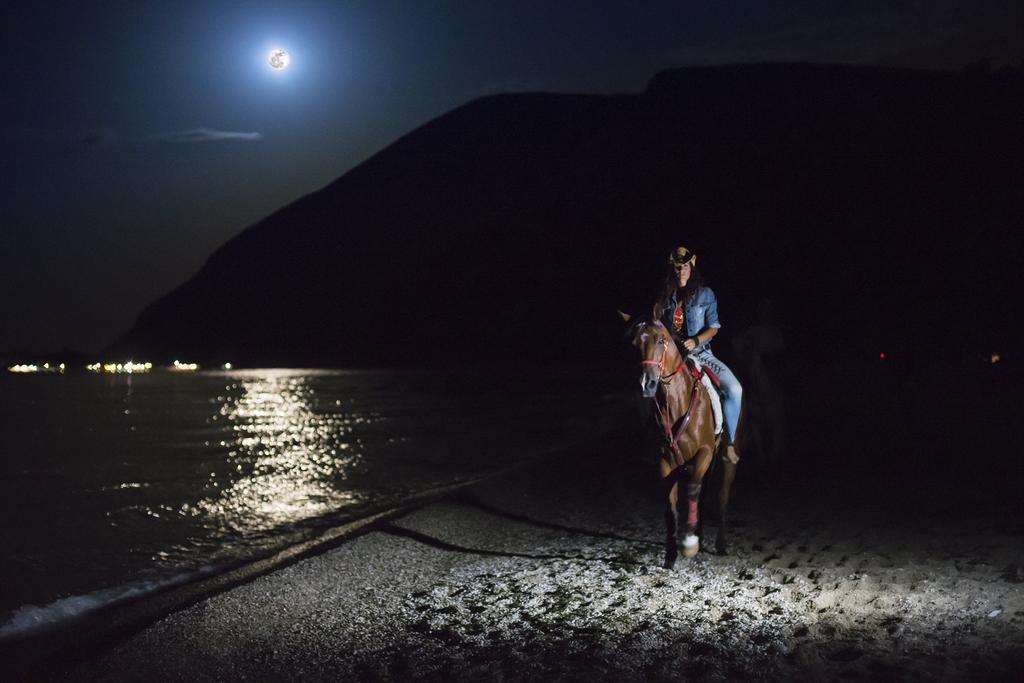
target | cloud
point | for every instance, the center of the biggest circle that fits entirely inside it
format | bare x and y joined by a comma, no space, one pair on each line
206,135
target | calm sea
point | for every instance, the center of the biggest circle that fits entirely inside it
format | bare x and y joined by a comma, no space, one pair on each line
115,486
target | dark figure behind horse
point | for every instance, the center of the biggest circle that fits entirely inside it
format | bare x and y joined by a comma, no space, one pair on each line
683,410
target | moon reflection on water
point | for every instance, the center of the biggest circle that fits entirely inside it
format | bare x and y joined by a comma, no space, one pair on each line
290,458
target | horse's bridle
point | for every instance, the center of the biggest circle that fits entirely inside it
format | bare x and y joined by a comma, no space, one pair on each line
672,435
664,379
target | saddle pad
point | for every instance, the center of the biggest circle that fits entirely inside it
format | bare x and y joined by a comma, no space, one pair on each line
716,401
712,390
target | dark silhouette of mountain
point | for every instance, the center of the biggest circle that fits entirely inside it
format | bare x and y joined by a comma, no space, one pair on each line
874,206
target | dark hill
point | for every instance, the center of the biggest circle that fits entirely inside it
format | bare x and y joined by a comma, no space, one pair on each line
875,206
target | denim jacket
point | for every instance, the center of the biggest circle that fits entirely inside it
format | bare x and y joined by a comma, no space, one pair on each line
701,313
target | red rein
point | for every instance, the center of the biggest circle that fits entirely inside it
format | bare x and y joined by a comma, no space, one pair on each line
671,438
661,366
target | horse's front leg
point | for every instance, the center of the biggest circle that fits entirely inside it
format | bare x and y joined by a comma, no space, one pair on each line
691,541
669,478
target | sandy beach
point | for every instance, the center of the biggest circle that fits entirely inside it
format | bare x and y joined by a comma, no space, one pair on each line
554,571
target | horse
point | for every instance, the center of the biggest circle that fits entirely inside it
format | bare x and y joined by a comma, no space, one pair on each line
683,410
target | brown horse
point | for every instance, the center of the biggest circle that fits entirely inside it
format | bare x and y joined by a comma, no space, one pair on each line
684,413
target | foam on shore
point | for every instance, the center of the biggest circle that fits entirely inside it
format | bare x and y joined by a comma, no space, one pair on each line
29,619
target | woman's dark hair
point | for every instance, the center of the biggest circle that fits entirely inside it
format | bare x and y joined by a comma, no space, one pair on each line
671,284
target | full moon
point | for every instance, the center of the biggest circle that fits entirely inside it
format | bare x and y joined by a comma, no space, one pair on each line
279,58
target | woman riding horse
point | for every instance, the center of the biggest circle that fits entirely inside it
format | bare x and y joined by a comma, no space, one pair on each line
689,310
682,407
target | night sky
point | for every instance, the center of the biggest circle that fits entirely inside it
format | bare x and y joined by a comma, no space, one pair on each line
138,137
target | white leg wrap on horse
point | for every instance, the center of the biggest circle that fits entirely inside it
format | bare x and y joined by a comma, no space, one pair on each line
689,541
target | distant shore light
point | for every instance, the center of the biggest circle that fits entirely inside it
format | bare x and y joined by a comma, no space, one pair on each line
129,367
28,368
23,367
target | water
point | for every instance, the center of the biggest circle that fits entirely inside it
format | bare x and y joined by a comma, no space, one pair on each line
113,486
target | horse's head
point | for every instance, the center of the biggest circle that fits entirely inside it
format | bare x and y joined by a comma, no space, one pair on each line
657,350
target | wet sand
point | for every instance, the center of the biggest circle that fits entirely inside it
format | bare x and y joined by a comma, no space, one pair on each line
555,572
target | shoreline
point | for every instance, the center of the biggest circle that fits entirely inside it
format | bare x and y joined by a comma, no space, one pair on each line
553,570
79,637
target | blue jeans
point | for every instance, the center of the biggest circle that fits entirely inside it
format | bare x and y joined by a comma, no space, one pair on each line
730,387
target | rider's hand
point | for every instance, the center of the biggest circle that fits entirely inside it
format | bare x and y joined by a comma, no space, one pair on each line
690,344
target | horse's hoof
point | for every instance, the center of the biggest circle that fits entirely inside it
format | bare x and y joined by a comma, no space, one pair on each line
721,549
669,564
691,546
